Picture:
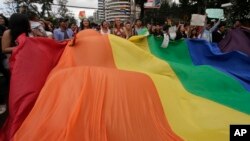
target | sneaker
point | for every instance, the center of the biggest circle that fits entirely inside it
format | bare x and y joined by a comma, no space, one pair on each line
2,108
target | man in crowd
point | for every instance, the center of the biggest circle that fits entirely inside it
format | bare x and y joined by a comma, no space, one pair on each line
63,32
218,35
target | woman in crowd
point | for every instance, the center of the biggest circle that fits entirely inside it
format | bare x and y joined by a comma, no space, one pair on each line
85,24
194,33
105,28
153,28
3,68
3,21
49,26
158,32
118,28
18,24
48,33
149,27
180,33
128,30
74,28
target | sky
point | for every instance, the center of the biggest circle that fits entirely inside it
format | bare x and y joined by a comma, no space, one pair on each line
83,3
75,11
79,3
1,6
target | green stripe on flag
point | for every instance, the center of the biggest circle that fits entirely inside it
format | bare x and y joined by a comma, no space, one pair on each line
205,81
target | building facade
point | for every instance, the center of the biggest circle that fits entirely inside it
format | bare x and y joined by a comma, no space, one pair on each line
96,18
122,9
101,10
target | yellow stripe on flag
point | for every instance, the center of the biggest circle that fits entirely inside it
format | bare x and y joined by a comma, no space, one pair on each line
193,118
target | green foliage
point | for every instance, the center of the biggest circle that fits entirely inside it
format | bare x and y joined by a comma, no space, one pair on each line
184,3
141,3
240,9
158,16
199,6
180,12
11,7
46,8
63,10
154,16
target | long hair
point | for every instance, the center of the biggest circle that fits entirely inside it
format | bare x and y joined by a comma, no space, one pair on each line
18,24
6,21
103,22
142,23
81,23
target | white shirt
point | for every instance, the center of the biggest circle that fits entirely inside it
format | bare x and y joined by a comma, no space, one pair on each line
108,32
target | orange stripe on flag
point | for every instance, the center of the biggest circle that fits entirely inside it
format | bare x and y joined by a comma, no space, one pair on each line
87,98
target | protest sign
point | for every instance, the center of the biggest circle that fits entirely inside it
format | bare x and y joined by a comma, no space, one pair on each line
82,15
215,13
198,20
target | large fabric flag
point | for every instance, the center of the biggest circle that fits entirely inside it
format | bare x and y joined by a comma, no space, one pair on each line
30,63
236,40
108,88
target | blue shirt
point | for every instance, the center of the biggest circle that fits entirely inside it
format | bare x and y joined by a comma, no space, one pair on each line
59,34
207,34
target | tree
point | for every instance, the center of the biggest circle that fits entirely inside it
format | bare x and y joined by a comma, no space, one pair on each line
177,13
11,7
184,3
163,12
141,4
32,5
64,12
45,11
240,9
215,3
157,15
186,9
46,7
199,5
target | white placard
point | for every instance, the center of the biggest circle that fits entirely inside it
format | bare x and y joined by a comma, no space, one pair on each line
215,13
198,20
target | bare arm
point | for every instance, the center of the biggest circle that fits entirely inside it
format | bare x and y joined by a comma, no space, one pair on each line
215,26
6,42
244,27
126,33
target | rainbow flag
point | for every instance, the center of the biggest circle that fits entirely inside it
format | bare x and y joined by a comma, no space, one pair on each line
108,88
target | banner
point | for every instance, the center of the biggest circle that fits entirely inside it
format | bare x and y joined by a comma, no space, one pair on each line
198,20
157,3
152,4
215,13
82,15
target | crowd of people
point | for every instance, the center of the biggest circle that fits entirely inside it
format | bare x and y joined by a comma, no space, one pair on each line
30,25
